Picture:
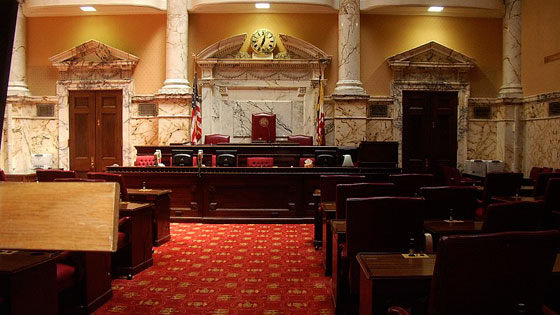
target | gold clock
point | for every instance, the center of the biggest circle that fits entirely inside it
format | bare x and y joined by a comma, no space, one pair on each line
263,42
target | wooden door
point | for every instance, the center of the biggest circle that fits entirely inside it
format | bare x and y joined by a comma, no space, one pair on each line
429,130
95,130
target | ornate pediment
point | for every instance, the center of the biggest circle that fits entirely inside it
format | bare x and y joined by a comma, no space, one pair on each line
94,60
429,60
431,54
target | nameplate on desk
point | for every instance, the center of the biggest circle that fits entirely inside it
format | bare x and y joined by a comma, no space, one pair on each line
145,189
453,221
415,256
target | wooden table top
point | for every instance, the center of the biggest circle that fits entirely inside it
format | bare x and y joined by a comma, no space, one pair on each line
387,266
516,198
12,261
446,228
329,206
338,226
149,192
134,206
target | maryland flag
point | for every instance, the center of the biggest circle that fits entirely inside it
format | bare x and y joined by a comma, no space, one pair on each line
320,115
196,114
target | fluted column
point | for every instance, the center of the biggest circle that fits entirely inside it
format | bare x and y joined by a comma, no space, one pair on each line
176,49
349,49
17,83
511,46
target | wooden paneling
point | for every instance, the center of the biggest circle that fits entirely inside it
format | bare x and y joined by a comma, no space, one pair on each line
59,216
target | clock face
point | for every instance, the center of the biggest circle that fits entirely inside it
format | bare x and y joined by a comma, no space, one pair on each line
263,42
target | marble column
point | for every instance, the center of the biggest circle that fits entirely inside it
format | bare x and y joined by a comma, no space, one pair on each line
176,49
511,50
349,49
16,83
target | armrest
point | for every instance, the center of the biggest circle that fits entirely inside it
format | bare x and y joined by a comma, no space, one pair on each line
397,310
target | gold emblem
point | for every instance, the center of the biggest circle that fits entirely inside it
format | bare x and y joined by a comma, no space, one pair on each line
263,122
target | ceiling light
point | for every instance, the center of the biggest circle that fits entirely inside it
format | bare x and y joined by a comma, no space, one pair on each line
88,9
262,5
435,9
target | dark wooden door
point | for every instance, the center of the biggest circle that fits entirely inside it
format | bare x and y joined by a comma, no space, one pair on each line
95,130
429,130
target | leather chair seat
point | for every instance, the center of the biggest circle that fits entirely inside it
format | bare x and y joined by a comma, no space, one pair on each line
145,160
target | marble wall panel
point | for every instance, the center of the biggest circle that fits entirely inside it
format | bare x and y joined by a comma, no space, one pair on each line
144,131
542,144
379,130
173,130
32,136
482,137
349,132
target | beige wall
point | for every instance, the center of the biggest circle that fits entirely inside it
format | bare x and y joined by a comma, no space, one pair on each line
140,35
384,36
540,38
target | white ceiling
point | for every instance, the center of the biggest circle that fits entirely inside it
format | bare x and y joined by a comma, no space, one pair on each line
471,8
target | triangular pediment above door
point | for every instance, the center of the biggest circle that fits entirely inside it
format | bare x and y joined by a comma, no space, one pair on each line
431,54
93,56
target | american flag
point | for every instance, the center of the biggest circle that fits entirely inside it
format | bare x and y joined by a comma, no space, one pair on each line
320,115
196,115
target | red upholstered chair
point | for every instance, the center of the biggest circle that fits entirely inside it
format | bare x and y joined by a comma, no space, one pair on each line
301,139
541,182
50,175
463,200
501,184
486,274
260,162
3,177
216,138
360,190
514,216
86,180
534,173
111,177
409,184
452,177
302,161
552,194
263,127
378,224
547,170
145,160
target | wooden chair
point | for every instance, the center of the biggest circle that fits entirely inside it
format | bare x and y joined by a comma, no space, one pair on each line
409,184
514,216
260,162
378,224
111,177
452,177
360,190
534,173
501,184
552,202
50,175
491,272
216,138
301,139
443,201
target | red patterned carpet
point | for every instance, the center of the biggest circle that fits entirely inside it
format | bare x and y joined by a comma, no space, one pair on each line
228,269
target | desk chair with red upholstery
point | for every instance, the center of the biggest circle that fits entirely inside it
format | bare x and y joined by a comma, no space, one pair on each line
50,175
263,127
216,138
409,184
301,139
360,190
514,216
552,202
145,160
378,224
541,182
452,177
534,173
260,162
443,201
111,177
501,184
499,273
3,177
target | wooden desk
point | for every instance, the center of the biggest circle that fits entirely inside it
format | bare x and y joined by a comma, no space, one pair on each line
138,256
160,216
441,228
338,228
317,220
386,276
329,213
28,282
516,198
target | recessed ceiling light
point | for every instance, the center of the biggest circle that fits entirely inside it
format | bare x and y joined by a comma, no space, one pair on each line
262,5
88,9
435,9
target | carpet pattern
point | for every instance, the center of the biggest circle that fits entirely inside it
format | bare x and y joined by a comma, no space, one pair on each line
227,269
